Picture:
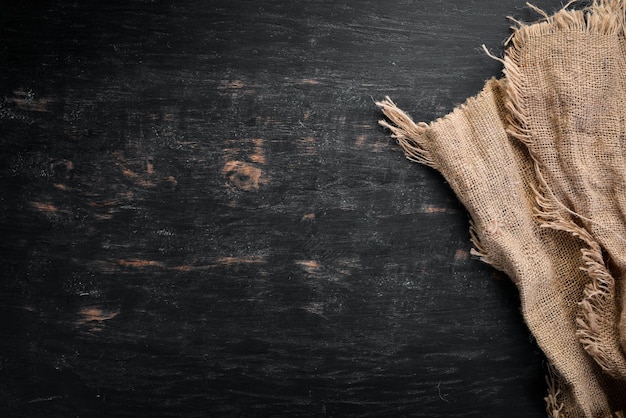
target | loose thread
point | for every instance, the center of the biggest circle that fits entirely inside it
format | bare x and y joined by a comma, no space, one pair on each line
490,55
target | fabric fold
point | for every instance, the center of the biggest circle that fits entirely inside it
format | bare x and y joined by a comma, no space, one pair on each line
566,89
494,177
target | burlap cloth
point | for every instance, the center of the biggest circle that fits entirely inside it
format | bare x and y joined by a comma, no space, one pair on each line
537,159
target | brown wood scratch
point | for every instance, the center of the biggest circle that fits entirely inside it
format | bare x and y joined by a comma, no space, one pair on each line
221,262
241,260
139,263
308,145
308,217
95,317
434,209
95,314
258,156
45,207
310,266
232,84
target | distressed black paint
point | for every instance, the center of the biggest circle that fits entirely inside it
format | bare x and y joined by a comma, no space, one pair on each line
200,216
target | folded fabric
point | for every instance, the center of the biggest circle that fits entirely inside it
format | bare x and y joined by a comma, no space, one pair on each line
537,160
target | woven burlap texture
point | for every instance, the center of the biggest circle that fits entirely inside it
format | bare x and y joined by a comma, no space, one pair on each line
537,160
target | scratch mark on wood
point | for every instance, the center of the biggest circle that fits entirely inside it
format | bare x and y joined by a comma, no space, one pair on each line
346,265
308,217
310,266
45,207
232,84
220,262
434,209
139,179
138,263
241,260
49,398
95,316
439,392
149,167
258,155
308,145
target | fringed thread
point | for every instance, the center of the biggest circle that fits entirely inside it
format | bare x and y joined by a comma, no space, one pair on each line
554,407
597,309
479,250
412,138
601,17
409,135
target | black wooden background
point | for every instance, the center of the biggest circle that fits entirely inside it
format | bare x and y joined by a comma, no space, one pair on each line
199,215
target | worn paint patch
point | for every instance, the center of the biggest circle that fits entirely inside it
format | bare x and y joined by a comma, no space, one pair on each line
227,261
236,87
27,100
434,209
45,207
345,265
243,175
231,84
315,308
95,314
220,262
141,170
310,266
308,217
375,145
149,167
308,145
95,317
140,178
243,166
138,263
258,155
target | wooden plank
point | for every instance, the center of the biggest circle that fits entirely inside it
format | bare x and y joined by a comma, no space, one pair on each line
201,217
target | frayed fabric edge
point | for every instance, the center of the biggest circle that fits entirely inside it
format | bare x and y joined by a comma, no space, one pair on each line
413,139
554,405
603,17
408,134
597,307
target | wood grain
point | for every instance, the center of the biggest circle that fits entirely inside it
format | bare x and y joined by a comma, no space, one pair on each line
201,217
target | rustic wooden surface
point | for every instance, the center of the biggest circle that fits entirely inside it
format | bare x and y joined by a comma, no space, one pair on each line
201,217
